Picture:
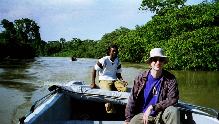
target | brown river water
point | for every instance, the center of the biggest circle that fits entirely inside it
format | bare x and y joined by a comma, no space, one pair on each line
24,82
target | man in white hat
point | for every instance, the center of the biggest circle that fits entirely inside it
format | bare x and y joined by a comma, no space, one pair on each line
154,94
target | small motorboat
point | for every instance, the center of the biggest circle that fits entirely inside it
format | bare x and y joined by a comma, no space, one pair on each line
73,58
77,103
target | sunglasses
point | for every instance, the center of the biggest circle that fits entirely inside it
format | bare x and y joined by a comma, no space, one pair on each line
160,59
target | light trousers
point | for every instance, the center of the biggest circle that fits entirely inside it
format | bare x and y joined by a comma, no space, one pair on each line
112,85
109,85
171,115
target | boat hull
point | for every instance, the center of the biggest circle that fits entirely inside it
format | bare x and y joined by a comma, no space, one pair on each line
62,108
82,106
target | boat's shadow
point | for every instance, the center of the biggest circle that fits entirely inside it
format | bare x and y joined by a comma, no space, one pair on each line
88,110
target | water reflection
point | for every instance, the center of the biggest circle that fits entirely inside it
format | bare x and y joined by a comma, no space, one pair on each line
200,88
16,88
20,86
16,63
15,69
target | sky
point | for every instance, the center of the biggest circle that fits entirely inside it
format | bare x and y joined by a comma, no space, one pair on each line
83,19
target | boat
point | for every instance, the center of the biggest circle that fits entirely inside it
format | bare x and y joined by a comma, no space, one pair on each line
73,58
77,103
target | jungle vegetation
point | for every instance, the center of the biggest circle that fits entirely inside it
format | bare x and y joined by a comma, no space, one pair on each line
188,33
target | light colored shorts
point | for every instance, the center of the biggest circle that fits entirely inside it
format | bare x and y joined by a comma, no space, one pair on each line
115,85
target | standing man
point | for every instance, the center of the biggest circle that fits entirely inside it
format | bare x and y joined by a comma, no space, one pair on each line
109,70
154,94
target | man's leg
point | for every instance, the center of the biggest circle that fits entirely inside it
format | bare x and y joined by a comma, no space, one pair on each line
120,86
171,115
107,85
138,119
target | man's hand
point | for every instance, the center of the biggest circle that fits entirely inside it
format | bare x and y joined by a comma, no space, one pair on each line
125,83
147,113
93,85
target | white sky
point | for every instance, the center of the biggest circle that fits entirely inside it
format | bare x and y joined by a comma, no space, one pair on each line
83,19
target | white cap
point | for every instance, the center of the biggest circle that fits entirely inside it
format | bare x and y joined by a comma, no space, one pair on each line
157,52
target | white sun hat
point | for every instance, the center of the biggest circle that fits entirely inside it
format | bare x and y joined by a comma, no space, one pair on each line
157,52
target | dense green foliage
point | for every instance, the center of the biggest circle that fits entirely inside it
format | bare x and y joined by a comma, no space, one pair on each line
197,50
75,48
188,34
159,6
20,39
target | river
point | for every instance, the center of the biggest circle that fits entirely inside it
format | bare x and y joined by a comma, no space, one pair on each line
24,81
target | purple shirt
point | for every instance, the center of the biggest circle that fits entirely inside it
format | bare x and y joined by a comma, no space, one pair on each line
151,92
